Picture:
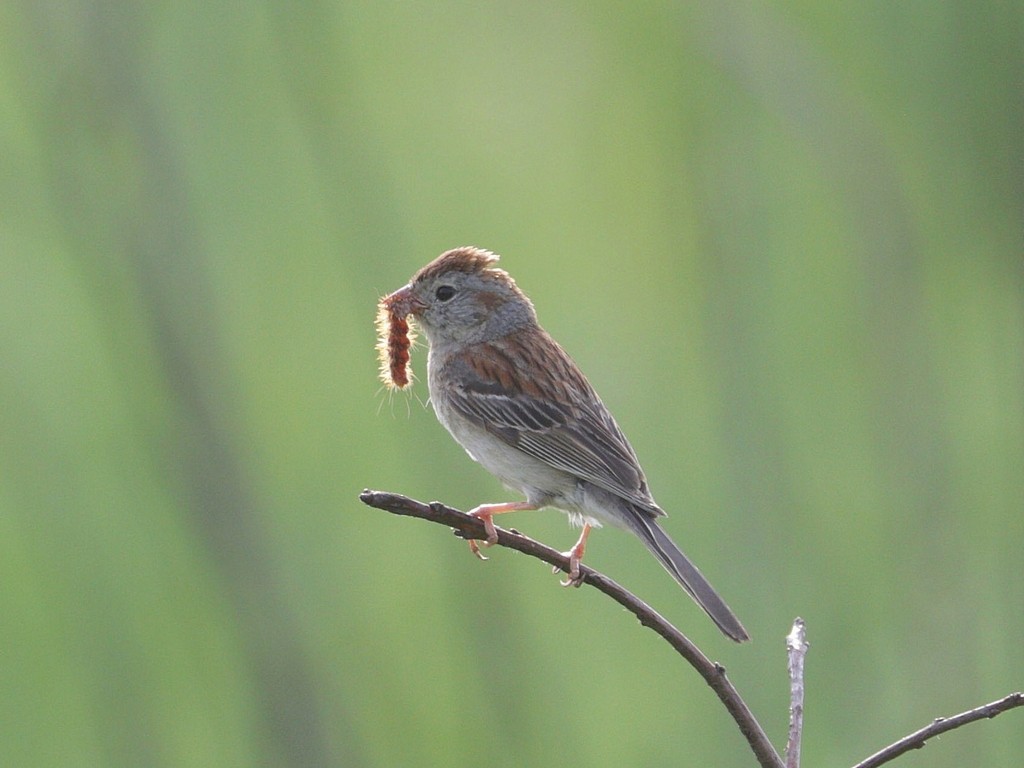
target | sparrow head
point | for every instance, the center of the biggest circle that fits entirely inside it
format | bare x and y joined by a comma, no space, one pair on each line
463,296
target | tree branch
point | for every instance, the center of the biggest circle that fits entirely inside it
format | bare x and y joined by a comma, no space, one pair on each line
796,647
917,739
713,673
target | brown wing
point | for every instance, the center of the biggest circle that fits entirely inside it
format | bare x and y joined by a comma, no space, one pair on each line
559,420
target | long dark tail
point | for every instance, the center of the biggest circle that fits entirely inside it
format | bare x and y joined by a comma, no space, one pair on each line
686,573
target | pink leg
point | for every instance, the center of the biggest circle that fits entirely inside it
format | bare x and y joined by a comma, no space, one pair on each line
575,556
485,512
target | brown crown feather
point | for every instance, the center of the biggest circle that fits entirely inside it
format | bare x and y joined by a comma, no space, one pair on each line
468,259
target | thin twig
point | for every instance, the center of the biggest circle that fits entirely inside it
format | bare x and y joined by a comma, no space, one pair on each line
917,739
713,673
796,648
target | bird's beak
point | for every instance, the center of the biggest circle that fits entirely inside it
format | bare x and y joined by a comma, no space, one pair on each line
404,302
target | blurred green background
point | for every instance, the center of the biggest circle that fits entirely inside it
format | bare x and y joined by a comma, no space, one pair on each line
783,239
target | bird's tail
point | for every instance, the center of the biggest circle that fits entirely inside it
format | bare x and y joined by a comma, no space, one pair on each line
686,573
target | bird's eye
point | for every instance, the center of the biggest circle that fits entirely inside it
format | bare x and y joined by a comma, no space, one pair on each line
444,292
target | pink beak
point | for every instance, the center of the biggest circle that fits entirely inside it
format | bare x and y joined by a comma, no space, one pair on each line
404,302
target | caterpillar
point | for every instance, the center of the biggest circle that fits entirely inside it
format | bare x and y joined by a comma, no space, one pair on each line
394,338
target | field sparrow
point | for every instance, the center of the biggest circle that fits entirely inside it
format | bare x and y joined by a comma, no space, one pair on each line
519,405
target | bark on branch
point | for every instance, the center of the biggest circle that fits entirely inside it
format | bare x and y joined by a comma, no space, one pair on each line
796,648
917,739
713,673
467,527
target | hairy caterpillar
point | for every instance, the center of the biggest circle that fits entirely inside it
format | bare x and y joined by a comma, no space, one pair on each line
394,338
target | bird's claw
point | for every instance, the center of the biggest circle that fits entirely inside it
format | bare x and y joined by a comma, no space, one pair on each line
575,556
575,577
571,582
492,535
474,547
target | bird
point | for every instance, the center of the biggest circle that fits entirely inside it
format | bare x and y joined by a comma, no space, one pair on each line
509,394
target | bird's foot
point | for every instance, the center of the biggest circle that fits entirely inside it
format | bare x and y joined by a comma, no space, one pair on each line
485,513
575,555
492,533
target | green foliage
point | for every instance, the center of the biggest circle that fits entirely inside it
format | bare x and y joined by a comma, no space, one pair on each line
785,242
